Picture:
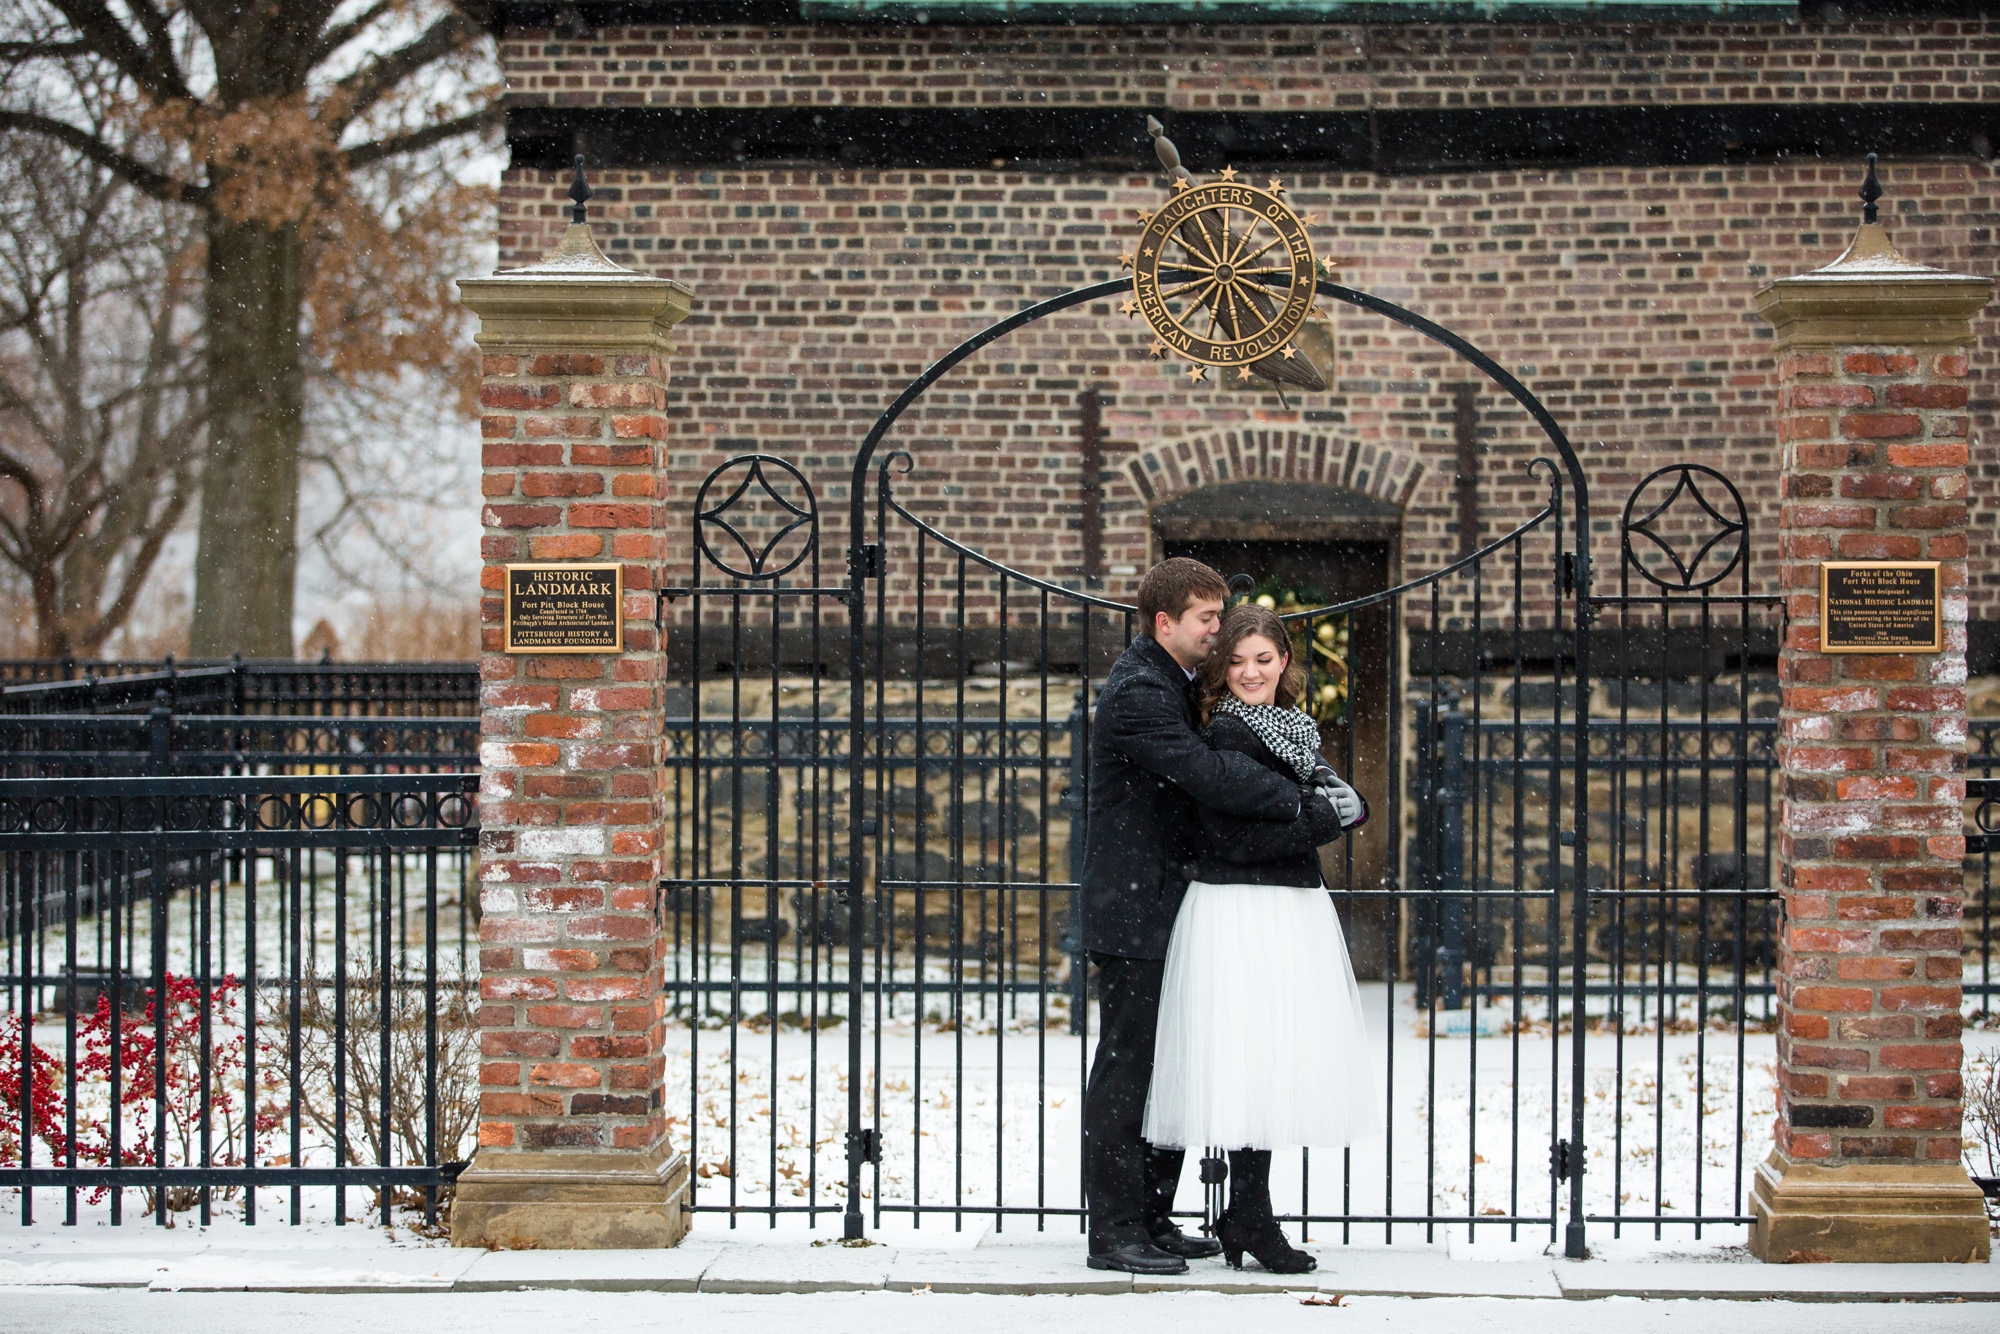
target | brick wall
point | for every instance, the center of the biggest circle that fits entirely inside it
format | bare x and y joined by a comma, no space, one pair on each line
1279,67
571,790
1620,295
1871,842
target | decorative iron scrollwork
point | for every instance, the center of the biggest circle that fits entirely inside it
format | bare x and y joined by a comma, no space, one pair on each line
1676,522
756,509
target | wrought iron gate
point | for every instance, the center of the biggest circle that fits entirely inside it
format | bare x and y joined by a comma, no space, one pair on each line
1569,936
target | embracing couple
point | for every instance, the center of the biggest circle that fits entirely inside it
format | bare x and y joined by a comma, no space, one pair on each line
1228,1014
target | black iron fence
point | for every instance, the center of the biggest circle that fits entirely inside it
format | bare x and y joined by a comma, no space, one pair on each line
159,742
27,671
221,986
236,688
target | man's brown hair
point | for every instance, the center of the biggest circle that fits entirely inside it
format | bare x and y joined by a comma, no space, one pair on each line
1172,584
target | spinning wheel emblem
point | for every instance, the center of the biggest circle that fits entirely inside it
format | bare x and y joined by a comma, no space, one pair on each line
1201,268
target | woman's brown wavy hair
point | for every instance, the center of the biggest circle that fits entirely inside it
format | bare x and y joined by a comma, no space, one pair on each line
1245,619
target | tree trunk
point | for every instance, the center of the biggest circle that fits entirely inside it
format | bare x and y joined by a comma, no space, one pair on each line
51,630
247,557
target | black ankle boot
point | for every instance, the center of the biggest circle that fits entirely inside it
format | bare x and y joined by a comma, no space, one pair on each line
1249,1223
1265,1241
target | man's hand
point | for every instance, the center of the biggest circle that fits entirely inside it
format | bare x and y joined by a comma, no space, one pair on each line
1346,802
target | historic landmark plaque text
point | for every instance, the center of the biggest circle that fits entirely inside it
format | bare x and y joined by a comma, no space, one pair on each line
1874,606
565,608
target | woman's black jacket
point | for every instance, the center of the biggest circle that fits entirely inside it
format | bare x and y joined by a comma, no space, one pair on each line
1262,852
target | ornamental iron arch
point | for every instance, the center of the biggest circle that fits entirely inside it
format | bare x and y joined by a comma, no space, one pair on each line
866,562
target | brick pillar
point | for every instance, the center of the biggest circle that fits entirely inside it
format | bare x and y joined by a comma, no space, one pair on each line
1872,376
573,1150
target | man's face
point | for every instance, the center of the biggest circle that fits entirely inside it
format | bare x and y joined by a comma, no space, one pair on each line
1190,638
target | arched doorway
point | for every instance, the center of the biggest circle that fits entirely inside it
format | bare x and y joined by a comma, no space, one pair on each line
1330,545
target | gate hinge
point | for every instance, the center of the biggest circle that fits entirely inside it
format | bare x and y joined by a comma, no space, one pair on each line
1565,1160
1573,573
865,1145
866,560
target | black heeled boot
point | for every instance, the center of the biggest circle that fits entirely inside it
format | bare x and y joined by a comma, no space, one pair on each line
1249,1223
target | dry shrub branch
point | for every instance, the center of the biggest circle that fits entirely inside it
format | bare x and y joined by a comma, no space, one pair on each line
325,1059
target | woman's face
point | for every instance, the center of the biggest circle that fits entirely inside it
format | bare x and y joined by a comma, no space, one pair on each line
1254,668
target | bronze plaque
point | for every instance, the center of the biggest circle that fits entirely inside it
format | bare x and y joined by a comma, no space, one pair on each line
557,608
1880,606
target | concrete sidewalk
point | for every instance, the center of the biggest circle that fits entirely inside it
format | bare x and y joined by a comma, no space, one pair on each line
219,1260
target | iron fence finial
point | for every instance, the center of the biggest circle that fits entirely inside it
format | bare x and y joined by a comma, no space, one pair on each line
1871,190
580,191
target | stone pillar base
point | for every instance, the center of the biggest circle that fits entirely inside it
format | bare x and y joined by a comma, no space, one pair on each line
1894,1214
572,1201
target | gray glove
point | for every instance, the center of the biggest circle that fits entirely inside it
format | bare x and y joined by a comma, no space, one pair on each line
1346,802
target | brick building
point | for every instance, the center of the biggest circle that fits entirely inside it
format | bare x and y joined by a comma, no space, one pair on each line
1592,204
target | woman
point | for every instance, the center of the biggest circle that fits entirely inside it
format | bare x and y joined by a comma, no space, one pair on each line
1260,1043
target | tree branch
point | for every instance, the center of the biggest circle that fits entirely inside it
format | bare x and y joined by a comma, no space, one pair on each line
19,473
334,38
395,145
134,172
140,564
160,45
375,80
110,39
15,52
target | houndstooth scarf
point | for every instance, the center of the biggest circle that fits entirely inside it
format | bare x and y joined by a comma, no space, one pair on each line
1292,736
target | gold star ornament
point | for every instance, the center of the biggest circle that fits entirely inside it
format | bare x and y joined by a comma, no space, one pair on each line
1159,349
1276,187
1196,374
1229,173
1128,308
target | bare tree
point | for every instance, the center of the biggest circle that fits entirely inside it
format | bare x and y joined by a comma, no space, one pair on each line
266,120
100,397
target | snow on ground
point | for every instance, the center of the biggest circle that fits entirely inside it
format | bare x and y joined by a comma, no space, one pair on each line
982,1095
989,1114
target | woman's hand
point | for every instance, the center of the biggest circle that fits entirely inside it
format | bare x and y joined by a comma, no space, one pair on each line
1346,802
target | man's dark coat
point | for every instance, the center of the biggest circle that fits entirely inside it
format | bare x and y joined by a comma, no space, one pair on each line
1149,772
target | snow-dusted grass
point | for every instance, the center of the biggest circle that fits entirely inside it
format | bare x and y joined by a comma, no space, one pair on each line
983,1115
990,1116
223,924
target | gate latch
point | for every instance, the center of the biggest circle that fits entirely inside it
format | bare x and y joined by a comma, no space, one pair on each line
865,1144
866,560
1565,1161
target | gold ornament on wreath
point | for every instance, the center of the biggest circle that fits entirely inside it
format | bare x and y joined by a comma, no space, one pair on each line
1321,643
1224,274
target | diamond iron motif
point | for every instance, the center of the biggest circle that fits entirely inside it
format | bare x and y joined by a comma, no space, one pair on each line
1688,573
752,494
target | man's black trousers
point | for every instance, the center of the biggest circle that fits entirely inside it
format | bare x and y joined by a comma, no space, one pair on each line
1130,1183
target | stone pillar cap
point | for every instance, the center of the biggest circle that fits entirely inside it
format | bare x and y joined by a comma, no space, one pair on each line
1874,295
575,297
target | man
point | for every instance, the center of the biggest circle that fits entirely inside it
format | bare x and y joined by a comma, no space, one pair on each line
1148,772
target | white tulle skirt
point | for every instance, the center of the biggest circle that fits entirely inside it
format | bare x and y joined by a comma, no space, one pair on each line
1261,1043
